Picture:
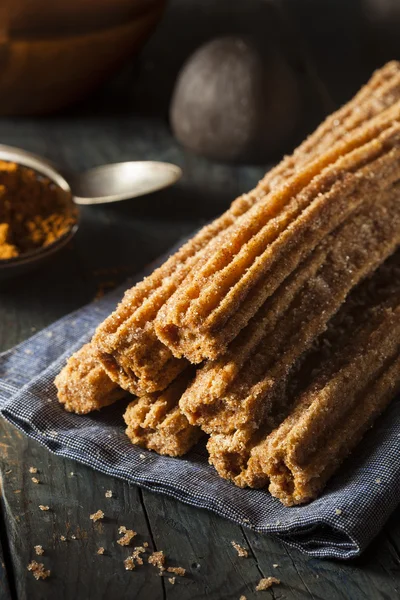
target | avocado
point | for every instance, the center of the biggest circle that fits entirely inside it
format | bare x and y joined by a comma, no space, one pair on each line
233,102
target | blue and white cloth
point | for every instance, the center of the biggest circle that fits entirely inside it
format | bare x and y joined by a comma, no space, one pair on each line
339,524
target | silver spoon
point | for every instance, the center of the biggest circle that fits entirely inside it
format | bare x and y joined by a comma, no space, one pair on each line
120,181
100,185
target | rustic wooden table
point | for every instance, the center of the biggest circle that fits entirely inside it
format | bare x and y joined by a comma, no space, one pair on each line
113,242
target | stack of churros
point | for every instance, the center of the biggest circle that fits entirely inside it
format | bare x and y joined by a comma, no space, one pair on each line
275,324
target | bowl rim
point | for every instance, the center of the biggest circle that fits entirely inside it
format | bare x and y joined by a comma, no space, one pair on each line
47,168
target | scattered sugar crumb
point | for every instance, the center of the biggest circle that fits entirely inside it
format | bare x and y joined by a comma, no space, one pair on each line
63,538
73,537
39,550
28,351
97,516
49,334
146,544
177,570
129,563
127,538
72,474
35,480
242,552
142,456
100,550
378,480
171,580
275,566
157,559
266,582
338,511
44,507
137,551
38,570
33,470
108,494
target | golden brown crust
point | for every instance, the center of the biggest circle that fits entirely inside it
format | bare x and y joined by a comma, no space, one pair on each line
129,348
263,282
331,417
353,358
83,385
269,241
155,421
241,388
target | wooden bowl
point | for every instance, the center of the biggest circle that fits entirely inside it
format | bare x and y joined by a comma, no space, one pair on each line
53,53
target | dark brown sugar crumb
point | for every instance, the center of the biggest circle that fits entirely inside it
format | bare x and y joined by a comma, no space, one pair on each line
177,570
126,539
157,559
129,563
38,570
97,516
266,583
242,552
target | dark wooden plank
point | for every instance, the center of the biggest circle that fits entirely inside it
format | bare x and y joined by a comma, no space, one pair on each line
72,492
195,539
5,592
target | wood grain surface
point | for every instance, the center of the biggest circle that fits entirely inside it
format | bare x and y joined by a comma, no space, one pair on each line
125,122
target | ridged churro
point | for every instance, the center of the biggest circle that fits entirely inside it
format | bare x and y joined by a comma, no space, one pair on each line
269,241
237,457
330,418
155,421
237,391
83,385
129,349
289,301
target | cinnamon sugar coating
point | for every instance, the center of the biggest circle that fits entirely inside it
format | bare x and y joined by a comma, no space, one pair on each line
356,355
260,396
300,357
130,351
331,417
268,242
83,385
156,422
243,387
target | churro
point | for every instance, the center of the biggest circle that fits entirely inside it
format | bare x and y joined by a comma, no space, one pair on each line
241,457
83,385
267,243
330,418
129,349
155,421
238,390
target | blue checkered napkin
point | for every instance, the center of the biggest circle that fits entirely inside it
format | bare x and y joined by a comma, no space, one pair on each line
340,524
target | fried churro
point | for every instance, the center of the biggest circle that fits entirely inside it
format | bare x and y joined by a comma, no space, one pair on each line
356,321
131,353
269,241
237,391
155,421
83,385
330,418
